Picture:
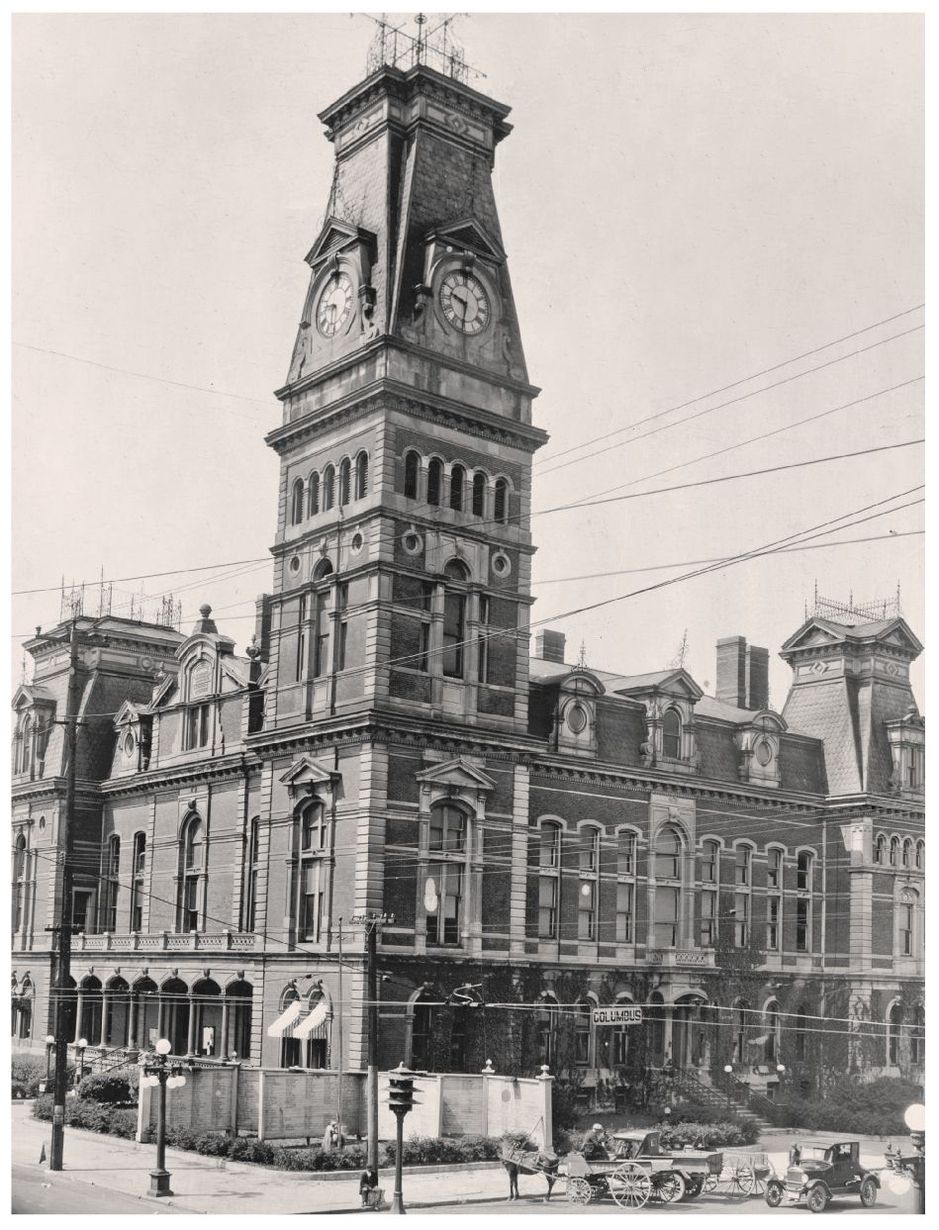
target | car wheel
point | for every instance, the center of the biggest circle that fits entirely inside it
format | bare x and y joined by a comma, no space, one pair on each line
774,1195
817,1199
868,1192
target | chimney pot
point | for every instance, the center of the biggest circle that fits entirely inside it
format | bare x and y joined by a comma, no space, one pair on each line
549,645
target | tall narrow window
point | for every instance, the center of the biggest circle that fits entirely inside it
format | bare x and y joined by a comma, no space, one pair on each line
321,633
345,479
138,885
666,916
412,470
908,852
328,487
708,919
582,1035
771,1045
454,619
626,854
741,1013
457,480
361,476
894,851
801,1016
625,912
587,910
667,854
500,507
434,480
920,855
589,856
546,1030
548,907
193,873
112,884
314,848
19,882
906,917
296,502
423,1025
804,871
549,857
251,875
880,849
479,493
803,924
671,734
918,1036
447,842
773,909
196,727
303,631
894,1026
313,494
710,862
483,639
774,868
742,861
741,919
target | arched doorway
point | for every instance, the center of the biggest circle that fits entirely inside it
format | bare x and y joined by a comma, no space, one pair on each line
145,1014
89,997
174,1014
656,1027
238,1043
117,1018
689,1035
207,1006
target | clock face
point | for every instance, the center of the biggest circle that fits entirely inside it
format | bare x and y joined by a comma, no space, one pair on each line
464,302
335,305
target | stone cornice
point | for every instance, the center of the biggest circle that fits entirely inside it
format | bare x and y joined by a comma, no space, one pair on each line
231,767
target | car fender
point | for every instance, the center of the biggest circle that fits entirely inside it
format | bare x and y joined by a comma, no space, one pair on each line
817,1183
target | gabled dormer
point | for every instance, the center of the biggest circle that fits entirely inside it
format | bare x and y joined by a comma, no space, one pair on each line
669,698
133,725
34,709
574,730
906,737
757,742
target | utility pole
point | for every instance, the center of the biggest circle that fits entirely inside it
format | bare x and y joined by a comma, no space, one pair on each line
371,922
64,948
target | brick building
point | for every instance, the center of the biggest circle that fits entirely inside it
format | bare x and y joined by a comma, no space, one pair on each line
560,836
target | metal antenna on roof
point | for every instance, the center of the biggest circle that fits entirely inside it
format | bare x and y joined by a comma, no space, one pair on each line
582,657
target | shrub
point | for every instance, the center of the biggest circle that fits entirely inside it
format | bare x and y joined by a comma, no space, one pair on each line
851,1107
726,1135
92,1116
28,1072
119,1086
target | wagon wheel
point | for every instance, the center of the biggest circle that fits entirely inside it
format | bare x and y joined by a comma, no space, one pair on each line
669,1187
579,1191
741,1179
760,1175
630,1185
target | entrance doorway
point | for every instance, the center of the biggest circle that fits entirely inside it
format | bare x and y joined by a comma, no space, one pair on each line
690,1043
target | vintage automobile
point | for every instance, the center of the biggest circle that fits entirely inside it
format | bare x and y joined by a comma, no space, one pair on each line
637,1169
819,1171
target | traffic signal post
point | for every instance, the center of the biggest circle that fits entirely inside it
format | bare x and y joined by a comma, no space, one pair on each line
400,1100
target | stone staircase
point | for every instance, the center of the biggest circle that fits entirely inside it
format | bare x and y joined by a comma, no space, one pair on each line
741,1097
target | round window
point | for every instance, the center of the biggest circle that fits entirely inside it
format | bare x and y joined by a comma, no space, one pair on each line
764,752
357,541
576,718
501,564
129,743
294,564
412,543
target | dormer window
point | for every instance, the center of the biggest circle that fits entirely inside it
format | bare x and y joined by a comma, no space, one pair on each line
671,734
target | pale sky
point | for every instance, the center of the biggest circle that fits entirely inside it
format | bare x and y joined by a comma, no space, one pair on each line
685,201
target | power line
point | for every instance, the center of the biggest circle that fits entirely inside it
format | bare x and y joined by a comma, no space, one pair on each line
733,401
146,576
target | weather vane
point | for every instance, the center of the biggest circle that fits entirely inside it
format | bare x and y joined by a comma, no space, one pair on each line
395,47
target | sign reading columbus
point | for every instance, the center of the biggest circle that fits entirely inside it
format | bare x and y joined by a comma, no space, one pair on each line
625,1014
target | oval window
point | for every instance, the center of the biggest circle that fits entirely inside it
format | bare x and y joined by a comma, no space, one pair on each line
576,718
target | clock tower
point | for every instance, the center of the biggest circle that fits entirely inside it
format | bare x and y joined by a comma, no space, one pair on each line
403,550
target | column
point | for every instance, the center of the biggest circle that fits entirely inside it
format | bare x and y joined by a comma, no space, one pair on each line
103,1035
223,1048
132,1022
191,1042
79,1004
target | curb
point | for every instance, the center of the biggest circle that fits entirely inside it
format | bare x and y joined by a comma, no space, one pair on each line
144,1197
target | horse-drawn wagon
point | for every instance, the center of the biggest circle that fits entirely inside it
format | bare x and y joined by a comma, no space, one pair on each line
636,1170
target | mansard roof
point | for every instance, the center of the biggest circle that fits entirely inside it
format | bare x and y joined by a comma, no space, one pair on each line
818,633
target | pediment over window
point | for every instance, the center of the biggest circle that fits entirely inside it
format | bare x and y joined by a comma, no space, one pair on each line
128,714
456,775
306,776
335,236
670,684
32,696
469,235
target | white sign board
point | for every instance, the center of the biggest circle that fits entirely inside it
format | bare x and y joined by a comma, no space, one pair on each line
625,1014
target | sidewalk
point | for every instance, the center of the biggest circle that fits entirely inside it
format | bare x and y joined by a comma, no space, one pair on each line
210,1185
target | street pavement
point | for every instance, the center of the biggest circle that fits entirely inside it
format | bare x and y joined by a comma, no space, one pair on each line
108,1175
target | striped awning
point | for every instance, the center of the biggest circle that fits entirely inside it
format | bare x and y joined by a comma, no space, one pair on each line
280,1027
311,1022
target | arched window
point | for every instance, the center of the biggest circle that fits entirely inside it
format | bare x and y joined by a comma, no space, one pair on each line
894,851
457,480
804,871
479,493
741,1020
626,853
667,863
112,872
328,487
434,480
192,880
361,475
313,869
582,1030
296,502
880,849
918,1036
345,480
500,508
239,995
710,880
138,888
906,923
313,494
323,569
894,1027
710,862
671,734
920,855
20,860
251,874
588,886
549,883
412,470
454,621
908,852
667,854
443,895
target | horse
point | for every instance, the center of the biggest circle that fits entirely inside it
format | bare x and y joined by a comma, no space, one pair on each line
530,1160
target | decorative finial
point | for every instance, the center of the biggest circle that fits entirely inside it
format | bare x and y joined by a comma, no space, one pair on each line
582,657
205,610
254,649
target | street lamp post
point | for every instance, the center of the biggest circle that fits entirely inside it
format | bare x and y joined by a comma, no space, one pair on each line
161,1071
50,1048
80,1047
728,1072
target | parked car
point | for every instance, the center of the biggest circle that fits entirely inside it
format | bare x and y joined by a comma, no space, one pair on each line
819,1172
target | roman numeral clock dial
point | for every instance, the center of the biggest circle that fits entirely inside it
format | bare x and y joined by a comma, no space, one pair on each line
464,303
335,305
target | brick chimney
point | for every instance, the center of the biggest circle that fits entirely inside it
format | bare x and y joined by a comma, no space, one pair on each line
742,674
549,645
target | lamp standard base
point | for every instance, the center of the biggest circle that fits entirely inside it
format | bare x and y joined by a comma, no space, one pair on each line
397,1204
160,1183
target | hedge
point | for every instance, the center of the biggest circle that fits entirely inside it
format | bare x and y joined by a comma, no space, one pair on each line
29,1071
853,1108
119,1086
418,1150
